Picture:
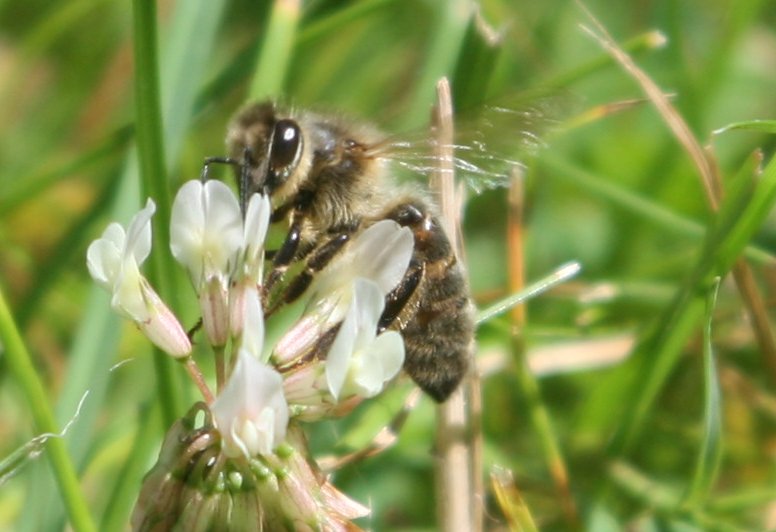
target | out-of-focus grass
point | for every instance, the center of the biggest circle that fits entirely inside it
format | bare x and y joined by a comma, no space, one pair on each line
617,194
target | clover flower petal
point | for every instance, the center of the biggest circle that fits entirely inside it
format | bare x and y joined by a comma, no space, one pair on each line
251,412
257,216
360,362
206,230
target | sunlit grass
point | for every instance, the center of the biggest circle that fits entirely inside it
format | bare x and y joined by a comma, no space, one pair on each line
637,438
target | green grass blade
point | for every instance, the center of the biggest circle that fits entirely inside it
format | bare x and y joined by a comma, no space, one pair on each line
340,18
750,219
64,256
475,66
636,45
150,150
125,492
442,50
185,53
276,47
563,273
656,214
26,188
23,370
763,126
711,447
659,351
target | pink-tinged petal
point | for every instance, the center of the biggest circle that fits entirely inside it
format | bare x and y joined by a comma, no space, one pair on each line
214,304
306,384
163,329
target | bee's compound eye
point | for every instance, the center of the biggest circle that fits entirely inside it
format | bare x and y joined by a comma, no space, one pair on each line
286,148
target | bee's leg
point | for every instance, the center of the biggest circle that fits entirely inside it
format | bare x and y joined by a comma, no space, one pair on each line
398,298
289,250
285,254
317,261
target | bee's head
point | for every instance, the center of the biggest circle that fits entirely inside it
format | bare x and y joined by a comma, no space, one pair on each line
270,149
289,155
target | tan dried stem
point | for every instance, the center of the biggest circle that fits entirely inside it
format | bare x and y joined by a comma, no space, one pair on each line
459,483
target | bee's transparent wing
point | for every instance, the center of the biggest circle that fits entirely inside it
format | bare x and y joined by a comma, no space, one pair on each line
487,147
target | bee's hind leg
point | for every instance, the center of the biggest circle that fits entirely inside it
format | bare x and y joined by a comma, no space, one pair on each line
398,298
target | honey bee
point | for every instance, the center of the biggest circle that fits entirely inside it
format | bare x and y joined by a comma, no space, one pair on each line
327,178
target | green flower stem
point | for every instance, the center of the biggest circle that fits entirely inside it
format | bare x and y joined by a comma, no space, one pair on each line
150,147
276,48
24,374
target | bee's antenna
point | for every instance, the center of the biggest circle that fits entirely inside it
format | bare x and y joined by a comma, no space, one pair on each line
204,176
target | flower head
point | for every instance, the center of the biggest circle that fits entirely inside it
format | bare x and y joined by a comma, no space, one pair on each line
114,262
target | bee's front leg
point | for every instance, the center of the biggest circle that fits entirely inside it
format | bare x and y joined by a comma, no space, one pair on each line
285,254
317,261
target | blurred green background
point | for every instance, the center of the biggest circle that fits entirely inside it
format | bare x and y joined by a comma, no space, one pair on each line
645,443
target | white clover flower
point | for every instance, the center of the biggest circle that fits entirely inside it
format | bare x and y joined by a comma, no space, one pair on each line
381,254
114,263
206,229
206,237
251,412
360,362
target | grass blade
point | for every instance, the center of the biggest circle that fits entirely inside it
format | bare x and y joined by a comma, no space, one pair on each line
275,56
711,448
23,370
